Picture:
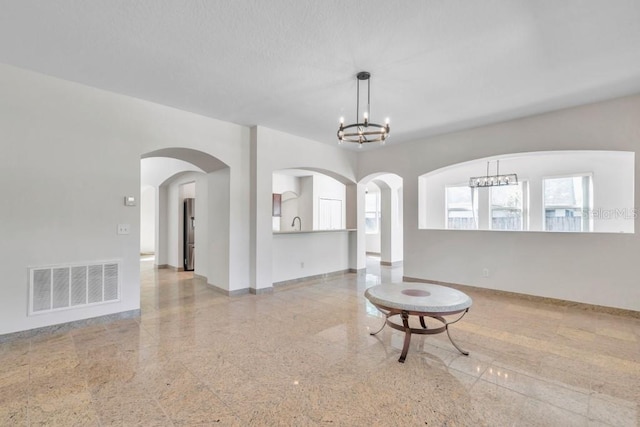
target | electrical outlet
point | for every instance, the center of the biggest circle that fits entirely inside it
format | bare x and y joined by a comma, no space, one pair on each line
302,265
485,272
123,228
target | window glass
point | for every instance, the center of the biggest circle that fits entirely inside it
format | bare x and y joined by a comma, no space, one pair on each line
566,203
372,213
462,208
580,191
507,207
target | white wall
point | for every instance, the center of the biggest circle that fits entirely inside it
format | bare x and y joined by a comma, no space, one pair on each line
272,151
306,203
612,172
391,238
219,254
72,153
398,224
290,210
174,215
188,190
298,255
156,170
373,239
148,219
595,268
283,183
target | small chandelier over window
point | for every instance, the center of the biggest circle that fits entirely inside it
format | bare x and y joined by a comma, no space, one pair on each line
493,180
365,131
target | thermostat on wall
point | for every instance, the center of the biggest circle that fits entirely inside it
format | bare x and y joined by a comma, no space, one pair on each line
129,201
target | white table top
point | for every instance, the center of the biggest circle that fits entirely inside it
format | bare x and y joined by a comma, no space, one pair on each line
424,297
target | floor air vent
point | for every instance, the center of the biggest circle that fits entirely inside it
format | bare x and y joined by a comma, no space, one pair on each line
64,287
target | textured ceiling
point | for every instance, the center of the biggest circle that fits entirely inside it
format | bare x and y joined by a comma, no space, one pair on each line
290,65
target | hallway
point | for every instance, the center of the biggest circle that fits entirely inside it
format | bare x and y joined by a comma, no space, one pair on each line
303,356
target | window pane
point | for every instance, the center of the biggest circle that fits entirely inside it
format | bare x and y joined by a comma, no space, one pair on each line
462,210
371,222
565,192
372,213
371,202
566,204
506,207
563,219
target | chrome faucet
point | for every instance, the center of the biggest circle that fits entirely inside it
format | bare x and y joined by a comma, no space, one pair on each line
299,222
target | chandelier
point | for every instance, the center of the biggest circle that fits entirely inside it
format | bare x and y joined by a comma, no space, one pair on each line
493,180
365,131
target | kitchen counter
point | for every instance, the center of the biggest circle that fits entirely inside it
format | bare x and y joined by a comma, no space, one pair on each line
312,253
312,231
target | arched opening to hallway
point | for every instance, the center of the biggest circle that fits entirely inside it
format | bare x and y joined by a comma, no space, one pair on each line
176,175
383,224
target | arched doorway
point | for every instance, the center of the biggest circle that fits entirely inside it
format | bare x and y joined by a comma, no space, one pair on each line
383,220
312,233
177,174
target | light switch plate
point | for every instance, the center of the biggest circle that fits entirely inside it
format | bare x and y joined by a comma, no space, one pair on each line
123,228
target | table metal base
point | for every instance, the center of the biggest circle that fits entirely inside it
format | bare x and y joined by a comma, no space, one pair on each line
423,331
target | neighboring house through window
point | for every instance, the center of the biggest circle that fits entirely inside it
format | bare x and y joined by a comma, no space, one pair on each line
567,201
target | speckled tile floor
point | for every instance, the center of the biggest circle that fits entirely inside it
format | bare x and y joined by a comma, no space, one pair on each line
303,356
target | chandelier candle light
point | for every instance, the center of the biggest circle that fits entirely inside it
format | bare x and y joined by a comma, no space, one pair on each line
493,180
366,131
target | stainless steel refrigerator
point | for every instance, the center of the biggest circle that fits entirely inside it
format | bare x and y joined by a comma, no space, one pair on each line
189,233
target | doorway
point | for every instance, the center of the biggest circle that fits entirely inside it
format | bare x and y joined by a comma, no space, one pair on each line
170,176
187,225
383,213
